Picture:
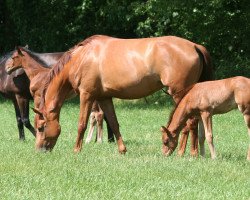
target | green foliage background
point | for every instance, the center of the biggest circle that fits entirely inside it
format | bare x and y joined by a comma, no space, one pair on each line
223,26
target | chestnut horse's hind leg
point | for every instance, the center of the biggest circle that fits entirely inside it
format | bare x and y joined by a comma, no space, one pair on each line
108,108
85,108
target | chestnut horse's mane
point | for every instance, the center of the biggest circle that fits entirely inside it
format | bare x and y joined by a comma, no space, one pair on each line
57,68
183,94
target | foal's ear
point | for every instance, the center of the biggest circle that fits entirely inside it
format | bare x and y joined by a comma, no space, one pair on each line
37,111
19,50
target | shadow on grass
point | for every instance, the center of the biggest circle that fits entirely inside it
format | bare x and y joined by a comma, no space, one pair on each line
157,100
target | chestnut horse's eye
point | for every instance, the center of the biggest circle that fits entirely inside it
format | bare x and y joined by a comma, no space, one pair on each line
41,129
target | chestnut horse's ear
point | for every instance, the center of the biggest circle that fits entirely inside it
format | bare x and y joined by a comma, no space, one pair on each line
19,50
38,112
164,130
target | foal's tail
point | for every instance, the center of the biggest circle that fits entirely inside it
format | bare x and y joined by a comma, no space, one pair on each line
207,73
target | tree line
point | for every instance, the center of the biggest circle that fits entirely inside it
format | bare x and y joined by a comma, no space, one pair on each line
223,26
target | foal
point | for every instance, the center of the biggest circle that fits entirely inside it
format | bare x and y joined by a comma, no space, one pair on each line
205,100
96,118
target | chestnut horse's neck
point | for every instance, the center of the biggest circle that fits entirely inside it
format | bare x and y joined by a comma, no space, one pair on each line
31,66
57,91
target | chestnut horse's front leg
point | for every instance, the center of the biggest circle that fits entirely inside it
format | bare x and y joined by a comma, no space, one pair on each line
85,108
108,108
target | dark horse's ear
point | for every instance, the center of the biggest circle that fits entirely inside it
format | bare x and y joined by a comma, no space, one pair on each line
38,112
19,50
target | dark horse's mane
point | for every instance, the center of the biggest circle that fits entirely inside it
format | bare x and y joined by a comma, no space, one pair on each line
57,68
34,56
5,57
181,93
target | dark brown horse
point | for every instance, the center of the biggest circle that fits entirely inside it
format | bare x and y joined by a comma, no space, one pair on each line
103,67
205,100
36,70
16,88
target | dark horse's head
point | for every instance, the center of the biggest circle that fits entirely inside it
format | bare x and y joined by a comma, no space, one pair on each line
48,131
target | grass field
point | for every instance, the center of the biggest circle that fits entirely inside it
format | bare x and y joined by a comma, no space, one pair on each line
99,172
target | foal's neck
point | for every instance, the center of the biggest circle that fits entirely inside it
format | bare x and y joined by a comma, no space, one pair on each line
32,67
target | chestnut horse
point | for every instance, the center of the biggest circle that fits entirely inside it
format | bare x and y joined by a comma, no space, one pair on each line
205,100
103,67
36,70
16,88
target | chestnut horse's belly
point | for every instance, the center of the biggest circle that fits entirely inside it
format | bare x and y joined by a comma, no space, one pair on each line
134,89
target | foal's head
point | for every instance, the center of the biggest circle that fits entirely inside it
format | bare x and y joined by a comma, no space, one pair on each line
16,60
169,141
47,131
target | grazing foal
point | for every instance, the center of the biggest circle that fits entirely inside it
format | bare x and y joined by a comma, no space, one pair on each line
205,100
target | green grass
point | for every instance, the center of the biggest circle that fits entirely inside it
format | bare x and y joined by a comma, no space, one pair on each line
99,172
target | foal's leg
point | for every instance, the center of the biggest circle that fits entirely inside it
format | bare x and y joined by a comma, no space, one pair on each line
207,122
85,108
247,120
91,128
201,138
19,121
99,119
108,108
183,141
193,127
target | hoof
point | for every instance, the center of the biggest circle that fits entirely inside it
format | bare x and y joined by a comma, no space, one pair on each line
122,150
77,150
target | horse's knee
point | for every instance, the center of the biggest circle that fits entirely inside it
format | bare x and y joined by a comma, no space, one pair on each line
26,122
19,122
209,138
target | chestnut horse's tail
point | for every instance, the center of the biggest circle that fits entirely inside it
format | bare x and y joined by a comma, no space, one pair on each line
207,73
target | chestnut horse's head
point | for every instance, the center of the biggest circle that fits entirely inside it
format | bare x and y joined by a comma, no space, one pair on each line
169,141
15,61
47,131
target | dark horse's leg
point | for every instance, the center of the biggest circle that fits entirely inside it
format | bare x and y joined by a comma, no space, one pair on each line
19,121
110,132
23,105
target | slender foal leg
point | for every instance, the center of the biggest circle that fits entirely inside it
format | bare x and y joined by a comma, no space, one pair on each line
85,108
193,127
183,141
108,108
207,122
99,119
201,138
247,120
91,128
